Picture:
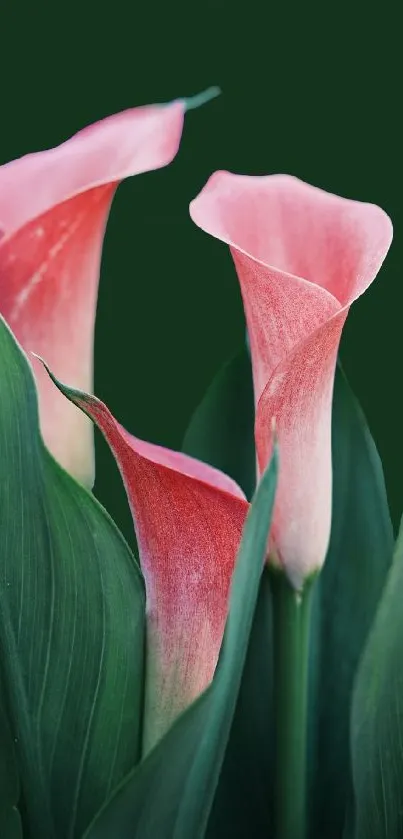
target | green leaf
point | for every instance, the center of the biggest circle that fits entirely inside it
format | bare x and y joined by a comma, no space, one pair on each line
221,431
71,625
347,593
10,822
243,803
170,794
377,718
11,827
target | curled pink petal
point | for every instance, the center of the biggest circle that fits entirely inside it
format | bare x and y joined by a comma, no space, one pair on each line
188,519
134,141
184,464
302,257
53,207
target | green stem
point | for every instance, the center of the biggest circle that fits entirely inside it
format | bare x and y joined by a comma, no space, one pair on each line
291,619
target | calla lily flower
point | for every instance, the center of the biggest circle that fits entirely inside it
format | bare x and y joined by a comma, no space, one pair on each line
53,210
302,256
188,519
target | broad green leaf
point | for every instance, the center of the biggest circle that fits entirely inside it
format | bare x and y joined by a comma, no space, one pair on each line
243,803
348,591
377,718
71,625
10,822
221,432
170,794
10,826
221,429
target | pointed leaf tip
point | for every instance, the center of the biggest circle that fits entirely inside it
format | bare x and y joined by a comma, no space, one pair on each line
192,102
68,392
49,372
51,375
274,438
39,357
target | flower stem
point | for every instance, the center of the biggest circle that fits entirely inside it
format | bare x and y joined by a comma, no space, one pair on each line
291,620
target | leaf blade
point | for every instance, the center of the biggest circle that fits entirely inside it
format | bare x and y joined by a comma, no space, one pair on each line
377,718
71,624
10,821
220,431
346,597
347,594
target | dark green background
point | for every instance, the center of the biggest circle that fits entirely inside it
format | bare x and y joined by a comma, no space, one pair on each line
313,91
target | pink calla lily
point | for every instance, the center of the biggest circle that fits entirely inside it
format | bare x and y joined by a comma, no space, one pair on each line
53,210
302,257
188,519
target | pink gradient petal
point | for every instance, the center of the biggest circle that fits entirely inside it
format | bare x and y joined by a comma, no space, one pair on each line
134,141
54,206
188,519
184,464
302,257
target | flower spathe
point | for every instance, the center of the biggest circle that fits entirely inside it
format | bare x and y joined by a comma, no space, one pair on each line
302,257
53,211
188,519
